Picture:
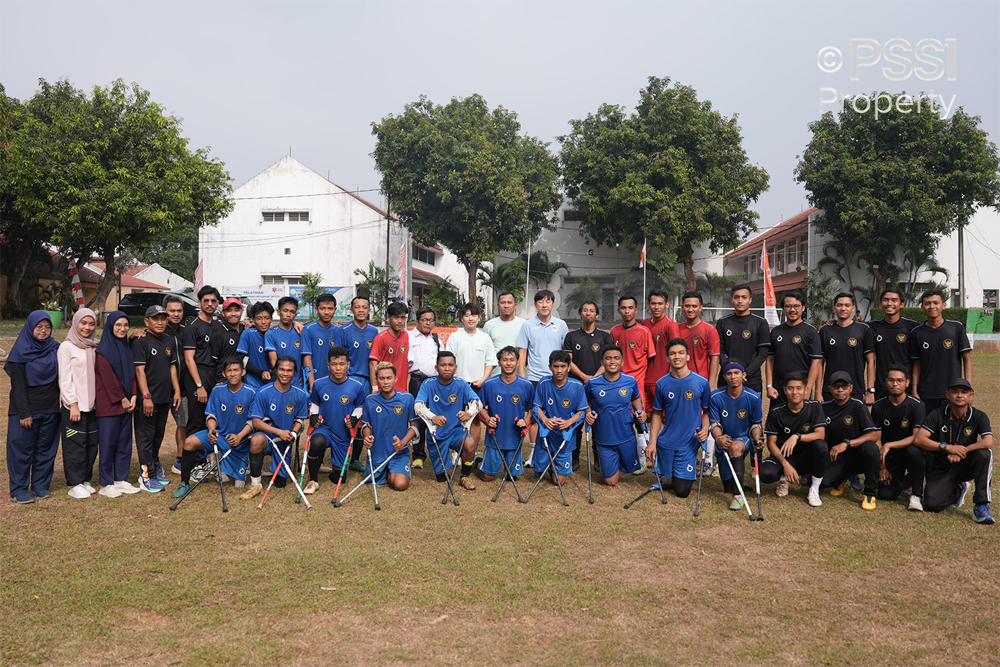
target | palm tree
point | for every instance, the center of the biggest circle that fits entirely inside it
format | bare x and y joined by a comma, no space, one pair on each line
507,277
915,262
541,270
714,286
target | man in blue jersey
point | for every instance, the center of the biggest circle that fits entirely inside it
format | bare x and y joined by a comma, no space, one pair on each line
227,416
358,337
318,338
444,402
507,401
560,404
735,414
283,339
680,420
279,414
335,405
388,423
252,344
614,398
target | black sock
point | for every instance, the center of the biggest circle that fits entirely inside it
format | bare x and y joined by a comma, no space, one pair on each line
467,468
729,486
440,476
256,464
335,475
356,447
279,482
187,463
314,464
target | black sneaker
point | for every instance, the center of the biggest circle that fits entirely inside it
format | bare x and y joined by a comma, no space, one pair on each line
280,482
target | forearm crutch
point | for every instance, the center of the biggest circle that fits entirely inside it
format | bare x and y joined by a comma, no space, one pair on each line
503,461
218,474
302,473
194,486
516,457
543,433
291,475
343,468
374,485
644,430
432,436
739,486
370,475
590,468
701,474
756,477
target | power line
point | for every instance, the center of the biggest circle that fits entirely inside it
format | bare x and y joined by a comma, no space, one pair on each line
318,194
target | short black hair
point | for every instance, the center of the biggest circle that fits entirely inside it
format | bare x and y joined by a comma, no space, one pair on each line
471,308
627,297
795,376
503,294
171,298
295,363
740,286
229,361
844,295
932,292
610,348
261,307
285,300
363,298
560,356
206,290
792,295
894,290
597,309
660,293
692,295
325,297
444,354
337,351
677,341
396,308
902,368
423,311
544,294
510,349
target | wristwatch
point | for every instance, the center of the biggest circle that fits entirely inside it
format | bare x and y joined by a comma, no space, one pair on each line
147,396
198,385
871,390
943,446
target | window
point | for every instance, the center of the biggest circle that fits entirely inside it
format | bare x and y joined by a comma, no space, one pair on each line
298,216
282,216
424,255
803,251
779,258
272,280
793,256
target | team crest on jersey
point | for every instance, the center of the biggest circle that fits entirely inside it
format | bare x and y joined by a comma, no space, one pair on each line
853,342
746,334
904,423
453,399
289,409
696,341
595,347
948,343
399,409
297,344
631,345
555,327
344,399
796,339
623,392
742,414
848,419
967,430
369,345
806,427
514,399
565,402
689,394
658,337
402,349
900,338
167,350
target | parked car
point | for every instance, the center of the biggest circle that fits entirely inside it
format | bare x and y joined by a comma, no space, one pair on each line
136,303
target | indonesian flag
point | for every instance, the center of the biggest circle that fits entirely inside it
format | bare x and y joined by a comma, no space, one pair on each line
770,303
74,279
642,255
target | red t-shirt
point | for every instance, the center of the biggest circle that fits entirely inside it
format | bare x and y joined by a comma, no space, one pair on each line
637,348
703,343
662,332
395,351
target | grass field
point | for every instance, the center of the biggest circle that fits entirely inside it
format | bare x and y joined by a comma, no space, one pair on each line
125,581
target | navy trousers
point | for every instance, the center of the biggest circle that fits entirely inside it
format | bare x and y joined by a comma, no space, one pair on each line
31,453
114,435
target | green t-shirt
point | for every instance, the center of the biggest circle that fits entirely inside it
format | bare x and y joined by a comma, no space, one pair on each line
503,334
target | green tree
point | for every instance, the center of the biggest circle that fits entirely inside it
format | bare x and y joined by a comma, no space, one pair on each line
674,173
310,290
716,287
898,179
176,252
380,286
444,299
464,176
107,172
508,277
541,269
586,290
819,292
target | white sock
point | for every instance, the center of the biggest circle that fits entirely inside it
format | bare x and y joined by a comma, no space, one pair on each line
710,449
255,481
815,484
782,479
640,445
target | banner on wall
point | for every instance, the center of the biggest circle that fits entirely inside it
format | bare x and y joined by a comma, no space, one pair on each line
255,293
401,272
342,294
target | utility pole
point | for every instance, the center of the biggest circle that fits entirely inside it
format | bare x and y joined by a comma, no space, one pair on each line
961,266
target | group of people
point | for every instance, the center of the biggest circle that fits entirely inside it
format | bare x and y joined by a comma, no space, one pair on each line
889,400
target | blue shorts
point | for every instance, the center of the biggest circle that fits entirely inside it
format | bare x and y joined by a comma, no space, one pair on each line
720,458
677,463
563,464
365,381
400,463
491,464
339,450
452,442
237,463
624,457
287,450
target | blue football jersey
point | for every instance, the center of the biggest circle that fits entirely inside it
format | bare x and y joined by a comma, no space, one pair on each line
560,402
284,343
231,410
252,345
510,402
612,401
282,408
735,415
388,417
336,401
317,341
446,400
359,345
681,400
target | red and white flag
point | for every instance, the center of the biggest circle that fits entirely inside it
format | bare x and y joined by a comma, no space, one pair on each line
74,279
642,255
770,302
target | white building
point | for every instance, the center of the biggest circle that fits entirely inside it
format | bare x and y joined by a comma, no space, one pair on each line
289,220
155,273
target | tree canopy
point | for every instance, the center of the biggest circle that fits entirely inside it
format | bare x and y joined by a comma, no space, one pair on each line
674,172
897,179
464,176
106,172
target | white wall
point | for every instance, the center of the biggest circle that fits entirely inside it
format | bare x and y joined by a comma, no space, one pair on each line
982,257
155,273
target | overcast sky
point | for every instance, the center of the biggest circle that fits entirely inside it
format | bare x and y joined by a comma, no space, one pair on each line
251,80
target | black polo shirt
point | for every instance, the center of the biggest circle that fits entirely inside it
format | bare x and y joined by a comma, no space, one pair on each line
156,354
198,336
939,352
898,421
892,347
844,349
849,420
793,349
747,338
965,431
182,371
225,340
783,423
585,348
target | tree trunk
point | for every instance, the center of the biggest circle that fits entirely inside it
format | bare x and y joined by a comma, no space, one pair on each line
107,282
473,269
689,267
879,283
14,280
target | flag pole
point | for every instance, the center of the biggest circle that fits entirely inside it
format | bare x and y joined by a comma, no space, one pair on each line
642,260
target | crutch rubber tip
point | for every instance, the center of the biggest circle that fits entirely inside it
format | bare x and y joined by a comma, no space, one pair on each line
335,502
377,508
591,501
173,508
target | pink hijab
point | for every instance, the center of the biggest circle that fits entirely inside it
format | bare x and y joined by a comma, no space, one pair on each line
74,336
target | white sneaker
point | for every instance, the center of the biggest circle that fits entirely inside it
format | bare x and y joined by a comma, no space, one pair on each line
110,491
225,477
89,487
813,498
454,457
916,505
781,490
79,492
127,488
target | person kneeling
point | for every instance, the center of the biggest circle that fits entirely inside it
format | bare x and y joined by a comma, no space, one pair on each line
509,398
850,426
613,399
560,402
335,406
736,415
387,414
451,398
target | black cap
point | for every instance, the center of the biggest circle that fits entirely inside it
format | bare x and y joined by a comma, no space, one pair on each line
153,311
841,376
960,382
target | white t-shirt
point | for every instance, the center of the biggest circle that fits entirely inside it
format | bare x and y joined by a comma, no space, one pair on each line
503,334
473,353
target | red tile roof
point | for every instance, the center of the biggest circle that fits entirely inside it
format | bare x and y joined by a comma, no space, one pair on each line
793,224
